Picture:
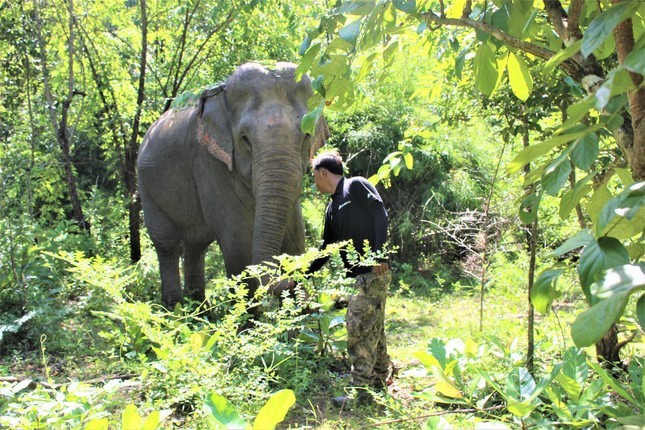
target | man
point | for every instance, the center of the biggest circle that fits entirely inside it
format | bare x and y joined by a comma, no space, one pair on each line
356,213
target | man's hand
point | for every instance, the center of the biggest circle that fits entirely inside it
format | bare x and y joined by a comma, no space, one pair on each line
381,269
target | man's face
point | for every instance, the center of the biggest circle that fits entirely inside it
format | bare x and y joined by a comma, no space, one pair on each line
320,178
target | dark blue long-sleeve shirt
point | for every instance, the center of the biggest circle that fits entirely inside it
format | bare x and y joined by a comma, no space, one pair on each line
355,213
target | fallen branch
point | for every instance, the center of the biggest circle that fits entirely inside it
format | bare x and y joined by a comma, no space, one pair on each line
33,384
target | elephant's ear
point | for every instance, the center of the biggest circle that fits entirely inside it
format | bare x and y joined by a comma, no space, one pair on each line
213,125
322,134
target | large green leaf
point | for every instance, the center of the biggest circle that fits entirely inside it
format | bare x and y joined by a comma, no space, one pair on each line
486,72
274,411
574,365
556,174
582,238
532,152
221,414
529,207
309,121
350,32
573,196
617,280
407,6
599,255
615,384
519,77
585,151
635,61
561,56
640,311
603,26
591,325
626,207
130,419
614,289
544,292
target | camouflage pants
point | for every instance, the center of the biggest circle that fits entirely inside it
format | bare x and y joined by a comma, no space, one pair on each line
366,345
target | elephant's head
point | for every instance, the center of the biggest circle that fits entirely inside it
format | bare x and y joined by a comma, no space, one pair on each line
252,124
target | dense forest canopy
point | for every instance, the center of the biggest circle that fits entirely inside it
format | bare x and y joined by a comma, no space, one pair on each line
506,137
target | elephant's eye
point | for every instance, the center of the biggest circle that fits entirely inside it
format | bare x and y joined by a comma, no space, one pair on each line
246,141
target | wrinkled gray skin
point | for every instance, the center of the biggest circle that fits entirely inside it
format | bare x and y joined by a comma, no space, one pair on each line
229,170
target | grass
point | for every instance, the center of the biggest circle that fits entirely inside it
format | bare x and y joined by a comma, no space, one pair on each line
418,310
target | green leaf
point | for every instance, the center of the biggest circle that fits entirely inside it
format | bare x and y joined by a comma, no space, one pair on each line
544,292
409,161
98,424
456,9
640,311
438,349
576,112
152,422
556,174
389,52
309,121
560,57
574,365
617,280
520,387
407,6
350,32
570,386
599,255
532,152
585,151
582,238
529,207
573,196
130,419
591,325
628,205
603,26
635,61
274,411
519,77
360,7
486,72
614,384
366,67
340,93
306,60
221,413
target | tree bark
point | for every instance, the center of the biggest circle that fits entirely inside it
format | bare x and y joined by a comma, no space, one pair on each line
624,37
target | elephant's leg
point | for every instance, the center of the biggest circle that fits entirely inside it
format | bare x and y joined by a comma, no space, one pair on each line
168,256
194,281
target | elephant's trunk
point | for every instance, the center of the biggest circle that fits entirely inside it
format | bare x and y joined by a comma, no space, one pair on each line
277,184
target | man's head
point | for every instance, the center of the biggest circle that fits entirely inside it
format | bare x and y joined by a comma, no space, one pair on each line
328,169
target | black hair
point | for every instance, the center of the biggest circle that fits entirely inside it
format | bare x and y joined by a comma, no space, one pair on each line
330,161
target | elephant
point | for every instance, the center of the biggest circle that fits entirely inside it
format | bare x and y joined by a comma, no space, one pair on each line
228,169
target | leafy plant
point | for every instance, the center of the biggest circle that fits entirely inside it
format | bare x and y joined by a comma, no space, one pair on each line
221,414
567,393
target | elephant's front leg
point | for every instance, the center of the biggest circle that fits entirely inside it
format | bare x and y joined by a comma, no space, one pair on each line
194,280
169,270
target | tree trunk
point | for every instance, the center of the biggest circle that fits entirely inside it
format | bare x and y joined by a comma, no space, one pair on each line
624,37
132,149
